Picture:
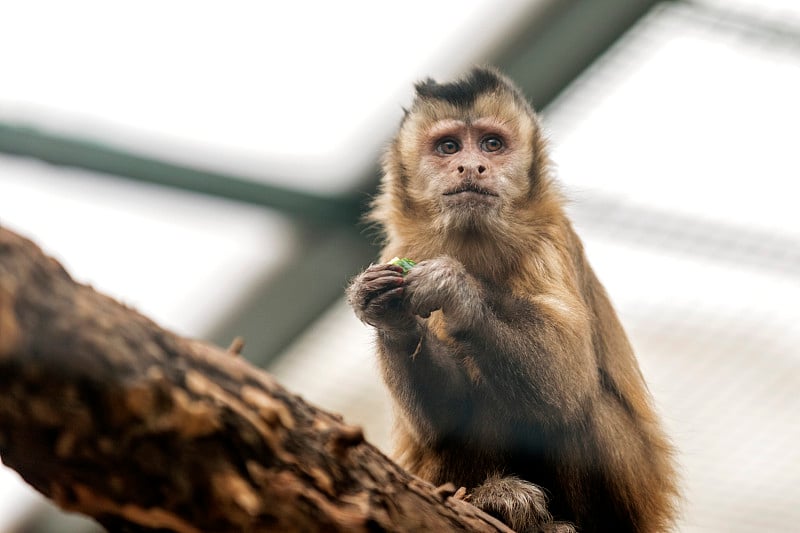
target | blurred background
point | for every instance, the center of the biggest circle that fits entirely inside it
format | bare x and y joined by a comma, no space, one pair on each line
207,163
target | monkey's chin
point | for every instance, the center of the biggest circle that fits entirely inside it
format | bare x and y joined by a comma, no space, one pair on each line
469,211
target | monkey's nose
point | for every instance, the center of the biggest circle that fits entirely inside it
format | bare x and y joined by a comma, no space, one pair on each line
480,168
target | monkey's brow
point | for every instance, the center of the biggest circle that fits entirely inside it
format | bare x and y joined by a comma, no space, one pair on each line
489,121
445,126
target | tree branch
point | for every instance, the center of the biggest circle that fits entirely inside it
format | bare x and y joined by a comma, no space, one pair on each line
109,415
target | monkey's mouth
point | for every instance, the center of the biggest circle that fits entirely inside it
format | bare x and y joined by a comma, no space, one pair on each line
470,189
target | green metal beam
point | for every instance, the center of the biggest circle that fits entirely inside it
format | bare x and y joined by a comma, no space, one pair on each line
282,305
72,152
560,44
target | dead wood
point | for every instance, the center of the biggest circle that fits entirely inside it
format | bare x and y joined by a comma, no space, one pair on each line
110,415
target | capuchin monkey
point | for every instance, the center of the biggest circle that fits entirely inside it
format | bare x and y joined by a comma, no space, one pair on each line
510,371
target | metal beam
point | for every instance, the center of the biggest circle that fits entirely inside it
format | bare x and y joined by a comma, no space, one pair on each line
282,305
78,153
760,250
560,44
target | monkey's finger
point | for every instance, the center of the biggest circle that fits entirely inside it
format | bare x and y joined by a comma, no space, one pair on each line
380,267
373,275
385,298
368,291
384,307
382,302
379,285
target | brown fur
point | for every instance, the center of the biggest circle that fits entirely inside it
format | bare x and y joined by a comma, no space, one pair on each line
501,348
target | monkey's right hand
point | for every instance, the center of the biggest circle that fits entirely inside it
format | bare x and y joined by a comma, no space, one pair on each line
376,296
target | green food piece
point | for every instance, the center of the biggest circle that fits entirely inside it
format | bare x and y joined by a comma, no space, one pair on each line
405,263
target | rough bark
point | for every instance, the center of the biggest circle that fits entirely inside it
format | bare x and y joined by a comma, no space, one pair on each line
112,416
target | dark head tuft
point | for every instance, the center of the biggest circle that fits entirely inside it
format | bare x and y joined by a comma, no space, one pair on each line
465,91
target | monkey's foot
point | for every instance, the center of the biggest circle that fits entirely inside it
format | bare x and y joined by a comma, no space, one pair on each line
519,504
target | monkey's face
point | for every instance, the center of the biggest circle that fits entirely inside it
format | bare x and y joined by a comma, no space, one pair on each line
469,169
467,160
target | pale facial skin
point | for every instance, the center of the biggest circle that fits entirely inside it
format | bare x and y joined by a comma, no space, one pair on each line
472,162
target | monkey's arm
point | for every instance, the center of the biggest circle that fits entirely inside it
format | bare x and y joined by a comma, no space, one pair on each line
536,353
417,366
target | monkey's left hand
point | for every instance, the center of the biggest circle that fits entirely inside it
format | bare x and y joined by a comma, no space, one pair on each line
443,284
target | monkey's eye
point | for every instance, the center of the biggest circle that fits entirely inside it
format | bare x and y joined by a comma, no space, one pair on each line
448,146
491,143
